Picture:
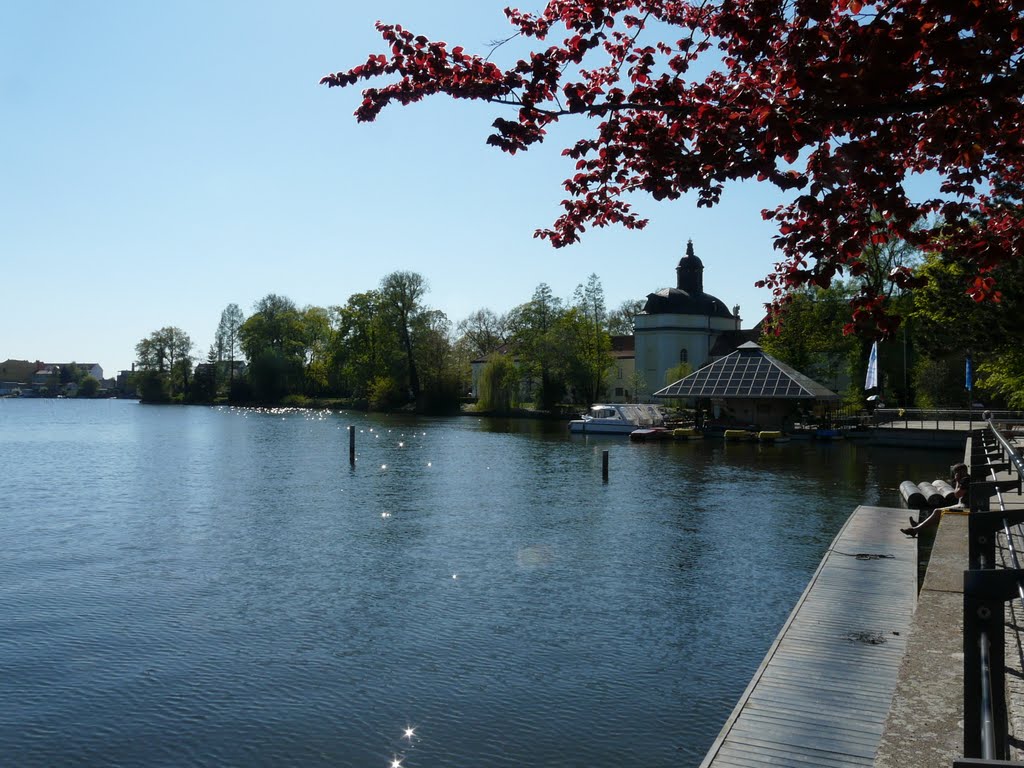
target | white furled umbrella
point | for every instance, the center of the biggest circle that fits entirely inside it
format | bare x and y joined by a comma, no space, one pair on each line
871,380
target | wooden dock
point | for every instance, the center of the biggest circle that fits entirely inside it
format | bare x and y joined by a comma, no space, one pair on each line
821,695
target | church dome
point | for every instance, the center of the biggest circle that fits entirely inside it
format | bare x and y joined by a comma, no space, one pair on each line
688,297
672,301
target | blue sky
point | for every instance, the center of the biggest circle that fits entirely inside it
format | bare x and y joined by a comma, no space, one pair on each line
163,160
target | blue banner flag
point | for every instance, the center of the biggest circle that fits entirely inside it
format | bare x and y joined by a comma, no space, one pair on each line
871,380
968,375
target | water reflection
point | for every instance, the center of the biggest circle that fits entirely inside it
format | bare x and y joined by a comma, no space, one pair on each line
225,589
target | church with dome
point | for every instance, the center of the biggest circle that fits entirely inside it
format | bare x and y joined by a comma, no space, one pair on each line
677,325
684,325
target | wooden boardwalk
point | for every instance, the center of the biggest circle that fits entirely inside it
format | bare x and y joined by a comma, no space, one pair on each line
821,695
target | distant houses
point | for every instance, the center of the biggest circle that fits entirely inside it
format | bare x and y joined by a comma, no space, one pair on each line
25,378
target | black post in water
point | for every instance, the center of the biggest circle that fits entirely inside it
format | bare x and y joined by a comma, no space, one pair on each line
604,466
352,444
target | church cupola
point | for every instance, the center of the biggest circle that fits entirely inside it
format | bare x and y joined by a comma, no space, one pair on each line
690,272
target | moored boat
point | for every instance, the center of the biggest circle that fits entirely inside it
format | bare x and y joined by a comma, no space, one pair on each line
618,419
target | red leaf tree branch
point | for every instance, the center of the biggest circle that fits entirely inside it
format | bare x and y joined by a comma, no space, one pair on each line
840,102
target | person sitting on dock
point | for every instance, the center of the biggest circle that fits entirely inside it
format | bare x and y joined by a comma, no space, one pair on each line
961,484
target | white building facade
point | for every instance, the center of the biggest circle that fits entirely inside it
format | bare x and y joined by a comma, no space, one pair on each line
681,325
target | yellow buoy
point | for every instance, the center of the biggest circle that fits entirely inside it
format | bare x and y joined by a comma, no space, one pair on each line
686,433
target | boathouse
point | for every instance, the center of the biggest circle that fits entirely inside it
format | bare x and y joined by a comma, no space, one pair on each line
749,387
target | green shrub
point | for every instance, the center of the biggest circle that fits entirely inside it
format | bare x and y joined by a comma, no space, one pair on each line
385,394
499,385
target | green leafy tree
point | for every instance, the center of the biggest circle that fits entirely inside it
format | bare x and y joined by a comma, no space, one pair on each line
620,320
1003,377
365,345
677,372
499,384
437,362
271,375
537,347
273,341
181,360
638,391
152,386
72,373
318,335
385,393
810,337
674,374
949,322
947,325
228,338
939,382
483,332
402,293
88,387
168,353
275,324
585,344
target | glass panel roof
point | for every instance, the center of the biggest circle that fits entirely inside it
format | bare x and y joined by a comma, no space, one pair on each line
747,373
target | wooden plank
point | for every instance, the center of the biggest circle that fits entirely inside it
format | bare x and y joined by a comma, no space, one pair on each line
821,695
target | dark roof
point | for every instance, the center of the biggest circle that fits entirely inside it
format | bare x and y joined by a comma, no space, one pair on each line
623,343
748,373
688,297
503,349
674,301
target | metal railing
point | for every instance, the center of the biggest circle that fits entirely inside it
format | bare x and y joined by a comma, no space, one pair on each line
939,418
995,467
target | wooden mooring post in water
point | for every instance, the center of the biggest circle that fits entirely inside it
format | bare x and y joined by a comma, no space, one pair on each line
604,466
352,444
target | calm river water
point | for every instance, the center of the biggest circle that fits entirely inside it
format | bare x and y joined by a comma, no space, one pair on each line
213,587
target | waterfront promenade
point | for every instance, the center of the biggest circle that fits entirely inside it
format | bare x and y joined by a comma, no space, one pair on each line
925,726
821,699
823,691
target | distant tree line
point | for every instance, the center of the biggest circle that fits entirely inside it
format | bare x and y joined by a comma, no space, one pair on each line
386,348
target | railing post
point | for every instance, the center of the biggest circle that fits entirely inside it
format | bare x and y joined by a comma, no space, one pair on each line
985,594
983,523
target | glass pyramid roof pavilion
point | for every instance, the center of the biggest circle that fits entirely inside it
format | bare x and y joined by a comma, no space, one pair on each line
748,373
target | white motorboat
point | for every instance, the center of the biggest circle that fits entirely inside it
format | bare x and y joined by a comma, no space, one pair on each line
618,419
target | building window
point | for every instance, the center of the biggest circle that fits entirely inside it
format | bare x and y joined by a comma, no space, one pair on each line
683,356
618,391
